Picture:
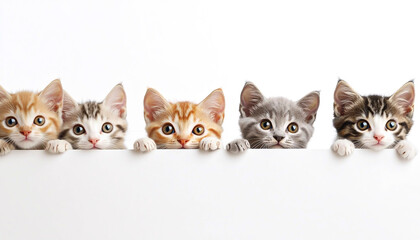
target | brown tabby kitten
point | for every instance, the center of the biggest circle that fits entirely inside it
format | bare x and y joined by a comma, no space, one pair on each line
29,120
182,124
374,122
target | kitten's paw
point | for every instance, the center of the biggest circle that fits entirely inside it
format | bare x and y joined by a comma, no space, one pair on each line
343,147
406,150
58,146
144,145
210,144
5,148
238,145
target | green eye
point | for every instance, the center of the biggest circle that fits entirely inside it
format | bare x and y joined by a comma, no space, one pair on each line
78,129
168,129
266,124
11,122
363,125
198,130
293,128
107,127
39,120
391,125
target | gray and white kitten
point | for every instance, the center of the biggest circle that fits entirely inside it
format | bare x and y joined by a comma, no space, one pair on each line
274,122
93,125
374,122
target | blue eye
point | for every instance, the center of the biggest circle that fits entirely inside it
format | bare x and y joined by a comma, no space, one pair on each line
11,122
107,127
39,120
78,129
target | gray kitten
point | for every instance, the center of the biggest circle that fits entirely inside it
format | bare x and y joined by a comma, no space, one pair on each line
274,122
93,125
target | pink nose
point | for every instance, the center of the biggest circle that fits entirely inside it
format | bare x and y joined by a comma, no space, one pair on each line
25,133
183,141
94,141
378,138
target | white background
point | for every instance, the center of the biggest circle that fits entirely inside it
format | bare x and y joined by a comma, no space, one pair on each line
185,49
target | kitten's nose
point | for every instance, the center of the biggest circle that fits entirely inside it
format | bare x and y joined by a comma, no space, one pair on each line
183,141
94,141
278,138
25,133
378,138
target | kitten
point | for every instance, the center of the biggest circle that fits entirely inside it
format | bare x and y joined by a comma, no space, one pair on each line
373,122
93,125
274,122
182,124
29,120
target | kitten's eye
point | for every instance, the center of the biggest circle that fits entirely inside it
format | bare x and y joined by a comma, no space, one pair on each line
198,130
39,120
293,128
168,129
107,127
78,129
11,121
391,125
363,125
266,124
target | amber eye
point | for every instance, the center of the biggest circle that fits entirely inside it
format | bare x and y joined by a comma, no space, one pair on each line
391,125
39,120
198,130
11,122
78,129
107,127
363,125
293,128
266,124
168,129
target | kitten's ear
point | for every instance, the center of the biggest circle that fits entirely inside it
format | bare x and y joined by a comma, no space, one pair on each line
404,98
116,100
154,104
310,104
344,97
214,104
250,97
4,94
52,95
69,106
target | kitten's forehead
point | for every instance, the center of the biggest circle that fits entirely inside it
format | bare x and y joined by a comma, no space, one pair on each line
183,111
90,110
279,107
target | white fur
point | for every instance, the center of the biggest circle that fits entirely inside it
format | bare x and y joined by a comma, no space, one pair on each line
406,149
144,145
378,127
343,147
210,144
58,146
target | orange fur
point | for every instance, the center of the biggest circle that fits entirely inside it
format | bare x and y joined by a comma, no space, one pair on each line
25,107
184,116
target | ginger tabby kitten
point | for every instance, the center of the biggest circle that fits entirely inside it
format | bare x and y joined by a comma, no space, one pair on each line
182,124
29,120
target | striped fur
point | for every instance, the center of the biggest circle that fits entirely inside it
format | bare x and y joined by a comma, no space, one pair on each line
25,107
92,116
184,117
350,108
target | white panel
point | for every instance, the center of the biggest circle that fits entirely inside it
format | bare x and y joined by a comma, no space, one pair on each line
170,194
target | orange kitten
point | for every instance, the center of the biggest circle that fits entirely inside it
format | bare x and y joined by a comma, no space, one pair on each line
29,120
182,124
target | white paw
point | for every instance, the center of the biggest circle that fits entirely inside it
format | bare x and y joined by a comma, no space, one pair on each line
210,144
406,150
144,145
343,147
238,145
58,146
5,148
